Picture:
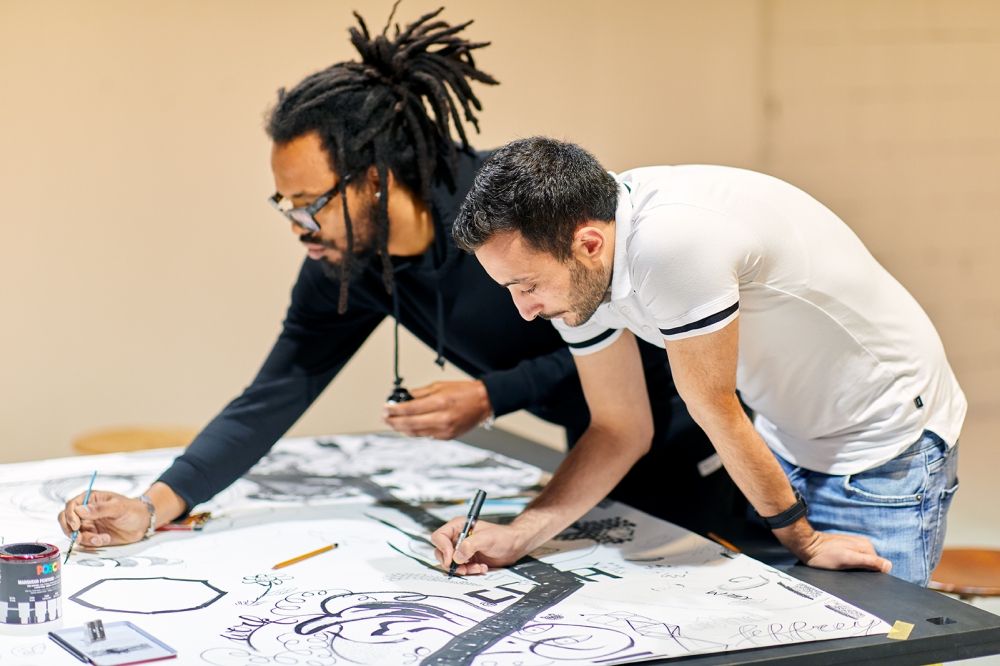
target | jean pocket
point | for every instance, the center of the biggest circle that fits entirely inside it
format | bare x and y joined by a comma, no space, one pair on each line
947,495
888,485
940,523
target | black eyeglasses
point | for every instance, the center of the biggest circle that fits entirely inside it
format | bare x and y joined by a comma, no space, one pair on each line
305,217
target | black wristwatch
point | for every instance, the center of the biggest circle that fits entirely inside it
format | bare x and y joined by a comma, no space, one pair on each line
788,516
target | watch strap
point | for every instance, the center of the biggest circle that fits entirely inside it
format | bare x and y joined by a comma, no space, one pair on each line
788,516
152,515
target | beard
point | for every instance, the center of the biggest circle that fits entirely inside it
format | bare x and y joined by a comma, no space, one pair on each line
588,288
333,270
364,248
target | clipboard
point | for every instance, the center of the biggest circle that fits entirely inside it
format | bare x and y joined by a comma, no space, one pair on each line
124,644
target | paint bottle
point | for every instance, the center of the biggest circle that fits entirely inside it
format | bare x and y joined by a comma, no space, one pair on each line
30,585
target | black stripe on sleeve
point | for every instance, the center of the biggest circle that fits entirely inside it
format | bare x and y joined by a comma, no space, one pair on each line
594,340
702,323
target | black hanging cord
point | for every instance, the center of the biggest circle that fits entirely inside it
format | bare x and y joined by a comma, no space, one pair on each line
440,329
399,394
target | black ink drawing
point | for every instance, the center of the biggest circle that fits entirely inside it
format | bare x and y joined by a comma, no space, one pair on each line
148,596
845,610
740,583
607,531
268,582
327,468
405,628
650,628
542,587
807,591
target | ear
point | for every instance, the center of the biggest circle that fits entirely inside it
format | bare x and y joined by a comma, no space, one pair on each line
373,181
590,242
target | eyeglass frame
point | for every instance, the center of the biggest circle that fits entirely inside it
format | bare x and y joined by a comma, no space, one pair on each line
310,210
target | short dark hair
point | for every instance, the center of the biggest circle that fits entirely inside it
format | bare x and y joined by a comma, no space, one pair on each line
543,188
395,110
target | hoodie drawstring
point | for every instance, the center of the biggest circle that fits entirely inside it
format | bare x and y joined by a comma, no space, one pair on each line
400,394
440,327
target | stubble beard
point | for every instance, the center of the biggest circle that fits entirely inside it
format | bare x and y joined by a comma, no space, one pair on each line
588,288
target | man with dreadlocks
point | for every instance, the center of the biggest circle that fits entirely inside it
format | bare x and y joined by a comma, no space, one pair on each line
371,182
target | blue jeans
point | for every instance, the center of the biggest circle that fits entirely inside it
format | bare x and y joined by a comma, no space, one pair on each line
902,505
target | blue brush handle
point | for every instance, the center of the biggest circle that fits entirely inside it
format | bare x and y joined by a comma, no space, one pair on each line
86,500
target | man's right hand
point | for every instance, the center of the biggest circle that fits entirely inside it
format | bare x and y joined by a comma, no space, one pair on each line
110,519
489,546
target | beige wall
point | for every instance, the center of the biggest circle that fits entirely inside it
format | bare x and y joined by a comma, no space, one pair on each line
143,277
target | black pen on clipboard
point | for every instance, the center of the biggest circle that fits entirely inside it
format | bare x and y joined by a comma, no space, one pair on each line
470,522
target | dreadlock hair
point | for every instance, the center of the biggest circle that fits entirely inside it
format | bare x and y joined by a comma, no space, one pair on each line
376,112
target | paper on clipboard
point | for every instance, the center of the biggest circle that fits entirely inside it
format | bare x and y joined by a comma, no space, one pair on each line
124,644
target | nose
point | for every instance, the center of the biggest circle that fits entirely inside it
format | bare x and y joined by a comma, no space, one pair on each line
298,231
527,309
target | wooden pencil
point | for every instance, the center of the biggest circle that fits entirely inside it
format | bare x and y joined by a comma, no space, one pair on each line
715,537
280,565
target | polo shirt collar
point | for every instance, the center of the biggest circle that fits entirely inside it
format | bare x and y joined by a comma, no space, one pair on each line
621,283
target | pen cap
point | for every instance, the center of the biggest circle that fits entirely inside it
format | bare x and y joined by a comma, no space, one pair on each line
477,504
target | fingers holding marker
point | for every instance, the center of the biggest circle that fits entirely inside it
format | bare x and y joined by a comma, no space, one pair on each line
444,539
465,557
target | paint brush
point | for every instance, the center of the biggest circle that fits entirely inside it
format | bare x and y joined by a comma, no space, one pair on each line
470,522
77,533
280,565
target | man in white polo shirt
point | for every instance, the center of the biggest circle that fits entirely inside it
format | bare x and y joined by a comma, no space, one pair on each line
751,285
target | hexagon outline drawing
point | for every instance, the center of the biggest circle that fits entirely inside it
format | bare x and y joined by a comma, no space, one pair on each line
197,595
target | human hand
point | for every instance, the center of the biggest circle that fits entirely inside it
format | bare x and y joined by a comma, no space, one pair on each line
488,546
109,519
829,550
442,410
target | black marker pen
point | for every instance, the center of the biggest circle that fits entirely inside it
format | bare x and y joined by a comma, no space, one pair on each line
470,522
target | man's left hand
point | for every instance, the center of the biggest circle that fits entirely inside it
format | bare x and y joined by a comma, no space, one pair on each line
831,550
442,410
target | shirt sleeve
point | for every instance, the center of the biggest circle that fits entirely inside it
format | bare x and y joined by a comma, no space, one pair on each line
531,384
686,265
588,338
314,344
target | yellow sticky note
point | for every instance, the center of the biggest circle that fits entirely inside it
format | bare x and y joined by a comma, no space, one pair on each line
900,631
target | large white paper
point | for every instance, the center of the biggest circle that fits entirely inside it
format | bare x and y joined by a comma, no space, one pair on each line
619,586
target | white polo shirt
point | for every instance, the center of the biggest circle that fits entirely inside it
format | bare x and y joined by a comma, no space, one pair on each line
842,366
